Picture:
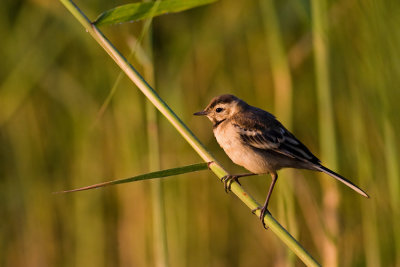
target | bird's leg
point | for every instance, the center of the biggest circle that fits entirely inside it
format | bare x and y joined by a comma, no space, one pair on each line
228,179
264,209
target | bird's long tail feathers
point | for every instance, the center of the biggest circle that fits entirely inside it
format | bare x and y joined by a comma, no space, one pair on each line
342,179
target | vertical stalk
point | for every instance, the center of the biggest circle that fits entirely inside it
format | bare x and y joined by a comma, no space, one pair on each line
393,173
326,126
160,247
282,80
364,169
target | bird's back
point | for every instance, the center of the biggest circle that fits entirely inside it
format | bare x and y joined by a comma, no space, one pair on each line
260,129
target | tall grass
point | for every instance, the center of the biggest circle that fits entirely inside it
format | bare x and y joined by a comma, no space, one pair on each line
53,82
159,223
327,129
283,97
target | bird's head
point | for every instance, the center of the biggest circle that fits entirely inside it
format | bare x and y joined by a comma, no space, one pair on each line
222,107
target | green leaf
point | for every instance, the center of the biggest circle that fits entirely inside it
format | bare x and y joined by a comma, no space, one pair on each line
138,11
150,175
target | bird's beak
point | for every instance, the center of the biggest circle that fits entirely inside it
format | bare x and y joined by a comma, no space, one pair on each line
201,113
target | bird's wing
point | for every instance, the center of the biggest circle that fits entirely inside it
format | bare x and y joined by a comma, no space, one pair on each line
268,133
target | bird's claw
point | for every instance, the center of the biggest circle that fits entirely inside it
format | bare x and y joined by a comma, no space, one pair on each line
228,180
254,210
262,215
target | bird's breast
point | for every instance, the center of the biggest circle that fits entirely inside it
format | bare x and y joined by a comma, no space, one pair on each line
229,139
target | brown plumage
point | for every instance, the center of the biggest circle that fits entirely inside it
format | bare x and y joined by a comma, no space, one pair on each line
255,139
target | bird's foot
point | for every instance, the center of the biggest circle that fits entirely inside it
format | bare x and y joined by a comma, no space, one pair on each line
264,210
254,210
262,215
228,180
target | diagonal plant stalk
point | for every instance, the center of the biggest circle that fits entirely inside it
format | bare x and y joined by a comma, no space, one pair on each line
151,94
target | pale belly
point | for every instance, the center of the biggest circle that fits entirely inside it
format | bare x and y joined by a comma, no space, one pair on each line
253,160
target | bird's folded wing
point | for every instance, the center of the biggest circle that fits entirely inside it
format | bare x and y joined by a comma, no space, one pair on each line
275,138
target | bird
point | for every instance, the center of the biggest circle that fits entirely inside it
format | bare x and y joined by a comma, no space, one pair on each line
254,139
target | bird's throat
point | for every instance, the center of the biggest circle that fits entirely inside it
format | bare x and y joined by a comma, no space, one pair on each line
218,123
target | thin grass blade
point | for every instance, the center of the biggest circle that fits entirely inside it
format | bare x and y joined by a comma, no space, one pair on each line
139,11
146,176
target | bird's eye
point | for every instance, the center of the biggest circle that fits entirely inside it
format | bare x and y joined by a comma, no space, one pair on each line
218,110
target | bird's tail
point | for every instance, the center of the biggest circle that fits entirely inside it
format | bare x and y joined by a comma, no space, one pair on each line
342,179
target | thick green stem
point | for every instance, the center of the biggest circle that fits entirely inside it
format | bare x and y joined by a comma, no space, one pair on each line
185,132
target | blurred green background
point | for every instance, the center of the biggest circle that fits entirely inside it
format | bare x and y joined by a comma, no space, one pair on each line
54,79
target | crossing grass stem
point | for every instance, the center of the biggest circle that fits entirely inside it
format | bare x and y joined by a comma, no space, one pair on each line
167,112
